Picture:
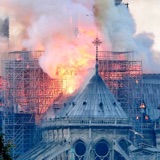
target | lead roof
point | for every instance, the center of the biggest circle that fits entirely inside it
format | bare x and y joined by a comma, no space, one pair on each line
96,101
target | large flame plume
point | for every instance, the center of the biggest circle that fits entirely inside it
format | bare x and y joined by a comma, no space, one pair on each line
64,29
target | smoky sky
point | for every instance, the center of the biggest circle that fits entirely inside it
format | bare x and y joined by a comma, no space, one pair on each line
50,25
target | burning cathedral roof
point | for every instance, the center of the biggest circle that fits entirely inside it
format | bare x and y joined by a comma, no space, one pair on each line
96,101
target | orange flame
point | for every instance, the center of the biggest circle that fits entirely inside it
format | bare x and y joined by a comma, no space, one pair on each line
71,75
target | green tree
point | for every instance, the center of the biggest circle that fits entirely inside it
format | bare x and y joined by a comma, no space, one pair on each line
4,149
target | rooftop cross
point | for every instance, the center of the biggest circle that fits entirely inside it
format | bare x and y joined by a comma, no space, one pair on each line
97,42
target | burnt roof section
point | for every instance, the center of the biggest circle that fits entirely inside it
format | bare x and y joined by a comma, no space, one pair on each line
96,100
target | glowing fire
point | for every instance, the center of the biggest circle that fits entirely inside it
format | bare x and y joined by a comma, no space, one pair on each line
72,75
70,90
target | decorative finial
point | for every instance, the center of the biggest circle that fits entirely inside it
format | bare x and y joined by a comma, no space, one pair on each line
97,42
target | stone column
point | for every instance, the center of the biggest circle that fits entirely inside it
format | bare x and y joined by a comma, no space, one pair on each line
90,133
69,134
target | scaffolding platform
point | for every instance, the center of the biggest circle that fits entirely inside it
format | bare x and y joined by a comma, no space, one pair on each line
19,131
27,85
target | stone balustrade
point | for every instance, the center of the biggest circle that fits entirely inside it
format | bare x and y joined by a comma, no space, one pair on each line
85,122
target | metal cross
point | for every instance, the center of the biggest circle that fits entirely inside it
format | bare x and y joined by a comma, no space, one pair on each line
97,42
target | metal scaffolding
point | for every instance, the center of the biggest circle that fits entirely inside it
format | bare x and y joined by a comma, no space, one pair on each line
19,131
123,76
28,88
27,92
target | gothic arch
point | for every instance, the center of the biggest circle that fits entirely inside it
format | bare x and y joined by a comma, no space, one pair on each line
80,149
105,139
101,149
79,139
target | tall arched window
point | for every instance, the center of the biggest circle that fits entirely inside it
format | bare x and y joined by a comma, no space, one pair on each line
80,150
101,150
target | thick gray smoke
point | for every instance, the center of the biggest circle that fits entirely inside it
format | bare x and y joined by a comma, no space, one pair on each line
119,28
146,15
66,28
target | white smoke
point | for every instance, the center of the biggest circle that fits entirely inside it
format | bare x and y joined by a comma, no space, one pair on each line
49,25
144,47
119,27
146,15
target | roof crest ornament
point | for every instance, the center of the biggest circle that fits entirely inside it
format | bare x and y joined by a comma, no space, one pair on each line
97,42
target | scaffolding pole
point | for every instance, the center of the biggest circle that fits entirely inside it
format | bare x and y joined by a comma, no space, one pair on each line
29,89
123,75
27,92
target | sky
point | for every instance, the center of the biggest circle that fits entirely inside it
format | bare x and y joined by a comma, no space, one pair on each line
147,17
